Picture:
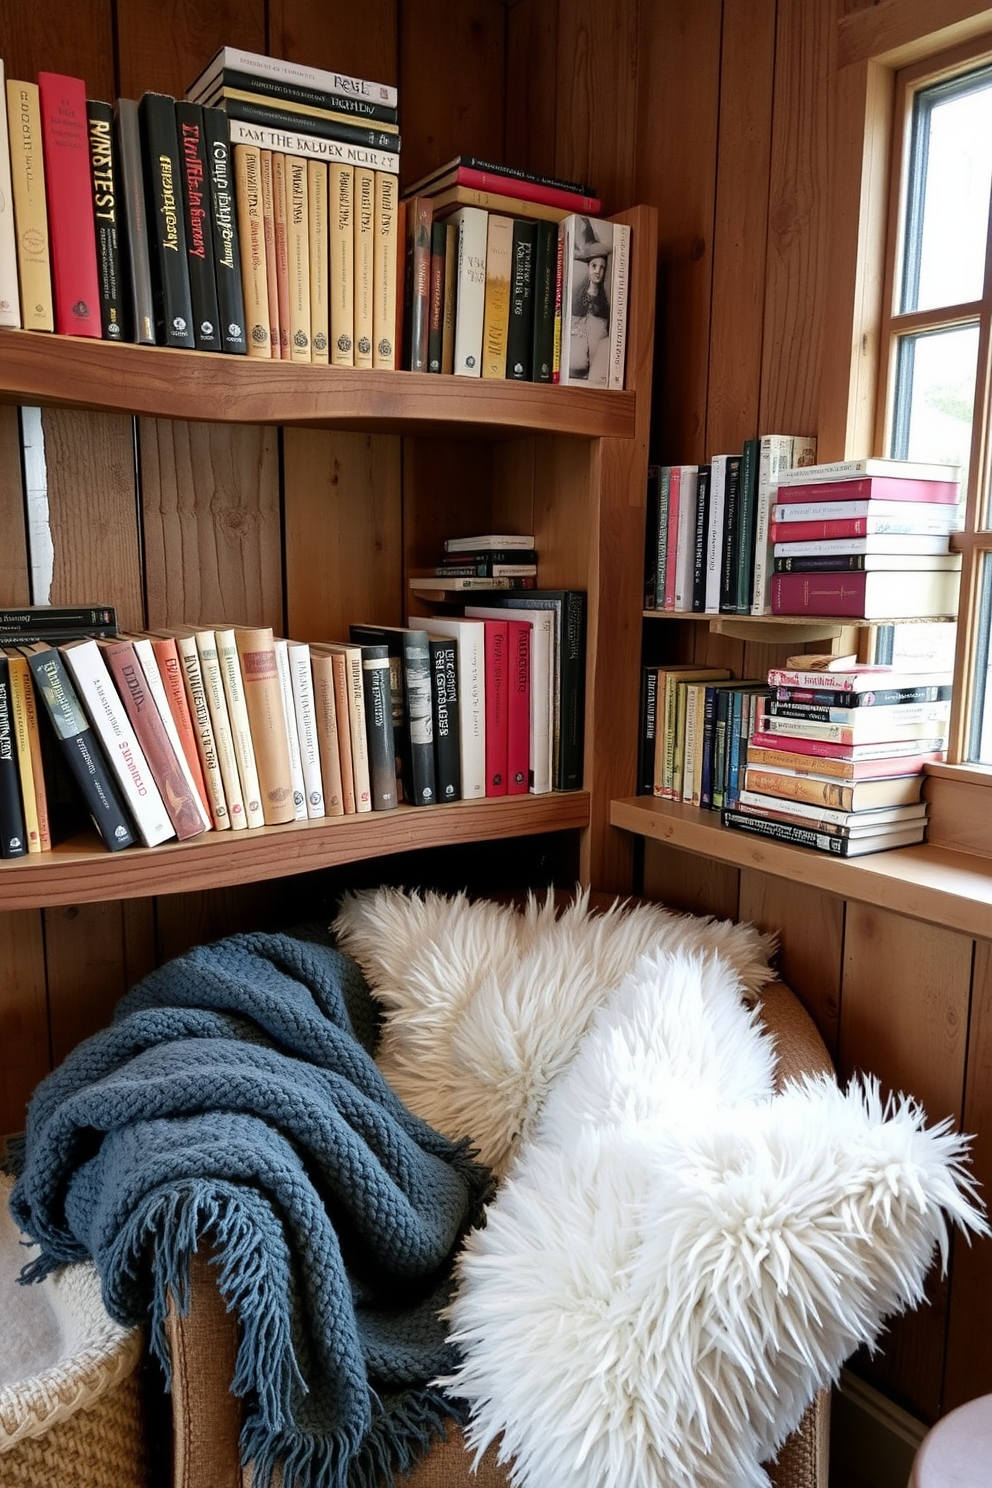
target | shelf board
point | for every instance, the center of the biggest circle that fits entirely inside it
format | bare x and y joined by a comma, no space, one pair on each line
923,882
81,872
37,369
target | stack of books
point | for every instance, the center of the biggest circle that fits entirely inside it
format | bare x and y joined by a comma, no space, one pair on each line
867,539
513,275
836,760
493,560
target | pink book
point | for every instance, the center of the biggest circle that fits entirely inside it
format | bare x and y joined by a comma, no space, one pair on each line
865,526
874,488
671,552
69,192
518,707
497,735
905,750
550,196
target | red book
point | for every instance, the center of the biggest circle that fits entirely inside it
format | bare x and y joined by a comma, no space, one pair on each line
518,707
904,751
873,526
497,716
550,196
69,194
798,762
872,488
671,552
915,595
171,669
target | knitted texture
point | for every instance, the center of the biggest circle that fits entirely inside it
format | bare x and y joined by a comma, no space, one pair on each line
234,1100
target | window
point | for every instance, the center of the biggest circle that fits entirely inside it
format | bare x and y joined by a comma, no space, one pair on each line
935,347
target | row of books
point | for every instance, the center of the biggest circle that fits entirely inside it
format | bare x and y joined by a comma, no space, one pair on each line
217,222
486,562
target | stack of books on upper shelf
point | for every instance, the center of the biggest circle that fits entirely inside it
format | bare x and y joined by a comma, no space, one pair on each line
707,547
494,560
512,275
258,215
867,539
695,724
836,758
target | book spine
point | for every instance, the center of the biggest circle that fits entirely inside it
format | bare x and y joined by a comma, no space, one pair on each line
27,172
13,830
10,299
224,235
714,534
358,729
80,749
819,594
520,329
298,203
364,253
545,276
330,745
785,832
672,482
342,259
275,70
661,561
69,194
251,233
647,731
321,125
379,726
319,257
206,747
167,230
618,303
720,728
280,221
134,220
775,455
496,310
496,707
292,732
746,516
470,639
312,146
419,716
900,489
572,645
170,672
518,707
444,697
195,182
700,540
449,301
898,712
106,203
304,706
882,697
560,253
435,322
837,794
384,270
220,723
419,215
731,529
259,673
28,740
271,259
688,478
147,655
527,189
281,92
349,799
471,292
237,711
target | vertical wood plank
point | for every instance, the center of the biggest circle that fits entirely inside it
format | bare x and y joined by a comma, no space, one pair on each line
532,85
36,38
15,584
87,970
459,110
597,73
24,1047
162,48
357,39
810,927
690,883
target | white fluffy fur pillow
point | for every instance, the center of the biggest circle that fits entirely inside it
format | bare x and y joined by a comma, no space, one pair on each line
486,1006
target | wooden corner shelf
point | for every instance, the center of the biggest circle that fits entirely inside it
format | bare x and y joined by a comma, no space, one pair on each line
81,872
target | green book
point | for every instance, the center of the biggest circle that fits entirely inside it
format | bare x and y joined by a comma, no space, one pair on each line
747,510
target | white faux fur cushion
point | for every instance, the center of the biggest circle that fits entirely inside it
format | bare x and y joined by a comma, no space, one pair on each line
486,1006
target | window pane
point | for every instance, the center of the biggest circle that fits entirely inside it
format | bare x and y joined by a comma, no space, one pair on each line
935,396
980,743
948,200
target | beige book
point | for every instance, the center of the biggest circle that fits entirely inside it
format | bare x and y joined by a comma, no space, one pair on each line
384,270
27,742
355,699
10,299
271,274
301,677
320,304
237,709
251,232
145,652
220,722
267,720
496,315
206,747
364,264
325,723
27,174
299,259
280,217
341,195
448,312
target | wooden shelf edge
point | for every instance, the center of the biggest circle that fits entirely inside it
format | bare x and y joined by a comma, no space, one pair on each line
925,882
75,873
156,382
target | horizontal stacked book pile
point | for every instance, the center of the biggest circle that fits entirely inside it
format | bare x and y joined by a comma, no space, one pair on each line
695,724
495,560
258,215
513,275
867,539
836,759
708,546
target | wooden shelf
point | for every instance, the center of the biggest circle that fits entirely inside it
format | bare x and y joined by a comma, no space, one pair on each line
155,382
929,883
80,872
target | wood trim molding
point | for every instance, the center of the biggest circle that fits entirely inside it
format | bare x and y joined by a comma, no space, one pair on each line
899,32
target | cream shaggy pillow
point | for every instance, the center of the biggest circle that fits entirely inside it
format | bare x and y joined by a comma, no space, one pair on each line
486,1006
679,1259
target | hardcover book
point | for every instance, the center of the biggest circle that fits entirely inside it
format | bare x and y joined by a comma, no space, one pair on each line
271,253
224,233
170,670
229,662
332,735
518,637
312,146
13,833
379,726
298,203
297,97
107,209
270,113
364,264
10,299
470,293
496,201
619,290
146,649
69,194
544,708
435,324
280,224
881,469
497,691
275,70
27,735
412,707
777,453
266,720
194,176
798,836
166,226
496,307
520,332
469,636
384,274
545,279
840,795
468,170
305,707
281,645
444,698
206,747
251,234
417,294
588,313
341,189
220,723
319,258
27,173
134,220
352,715
866,595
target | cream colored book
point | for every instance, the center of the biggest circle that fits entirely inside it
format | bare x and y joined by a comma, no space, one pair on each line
27,175
341,193
271,271
251,235
299,259
292,731
220,722
266,719
496,314
364,264
10,299
199,708
384,270
280,218
237,709
304,704
320,308
325,712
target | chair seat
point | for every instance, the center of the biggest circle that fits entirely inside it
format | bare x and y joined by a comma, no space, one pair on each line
957,1452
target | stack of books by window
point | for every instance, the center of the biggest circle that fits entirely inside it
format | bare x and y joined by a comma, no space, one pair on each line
836,760
867,539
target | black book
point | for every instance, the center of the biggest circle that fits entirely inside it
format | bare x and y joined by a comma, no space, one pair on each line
412,707
13,836
166,222
929,692
54,634
545,282
107,207
195,174
435,320
647,731
270,116
276,89
379,726
700,539
728,554
136,257
40,617
652,510
224,233
79,747
747,505
447,734
520,331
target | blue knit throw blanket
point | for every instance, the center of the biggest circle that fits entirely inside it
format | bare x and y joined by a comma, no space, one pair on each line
234,1101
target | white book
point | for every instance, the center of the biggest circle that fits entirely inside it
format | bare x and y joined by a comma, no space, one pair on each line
868,820
775,453
312,146
99,696
471,637
145,652
879,465
234,59
586,311
301,677
877,542
292,731
879,516
237,708
470,289
10,300
220,720
714,536
618,303
543,689
685,548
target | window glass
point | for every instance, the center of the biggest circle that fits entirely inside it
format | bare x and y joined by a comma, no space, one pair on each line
935,397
